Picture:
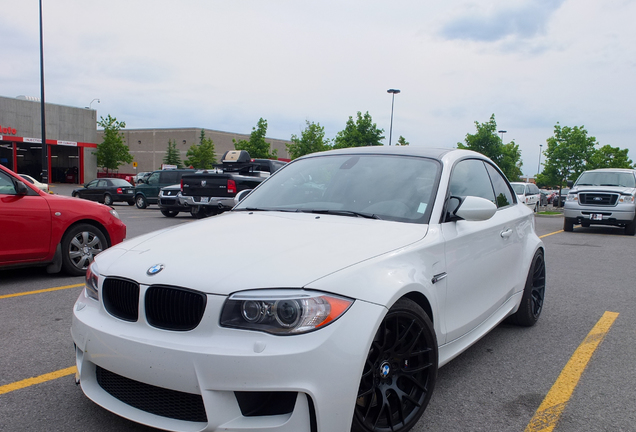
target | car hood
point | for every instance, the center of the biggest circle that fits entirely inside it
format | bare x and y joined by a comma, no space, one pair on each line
599,189
239,250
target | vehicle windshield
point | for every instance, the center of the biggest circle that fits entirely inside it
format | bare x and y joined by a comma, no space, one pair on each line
397,188
120,182
607,178
520,188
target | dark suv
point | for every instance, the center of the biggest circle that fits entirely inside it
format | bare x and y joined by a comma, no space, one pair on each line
147,192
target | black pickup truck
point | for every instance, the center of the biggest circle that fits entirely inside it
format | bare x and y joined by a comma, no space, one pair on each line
212,192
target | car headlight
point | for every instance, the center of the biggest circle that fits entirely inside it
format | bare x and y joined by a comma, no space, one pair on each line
114,213
282,312
572,197
92,282
626,199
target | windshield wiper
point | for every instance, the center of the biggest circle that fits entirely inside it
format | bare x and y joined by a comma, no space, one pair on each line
254,209
344,213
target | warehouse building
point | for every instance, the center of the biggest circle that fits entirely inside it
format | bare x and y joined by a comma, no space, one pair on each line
72,138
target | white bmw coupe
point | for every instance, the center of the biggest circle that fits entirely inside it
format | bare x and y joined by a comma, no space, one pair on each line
326,300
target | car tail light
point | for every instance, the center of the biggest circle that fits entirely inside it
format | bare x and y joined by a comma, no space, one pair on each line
231,186
119,191
181,185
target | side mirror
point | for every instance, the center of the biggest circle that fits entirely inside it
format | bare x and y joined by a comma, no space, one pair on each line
570,184
241,195
475,209
20,188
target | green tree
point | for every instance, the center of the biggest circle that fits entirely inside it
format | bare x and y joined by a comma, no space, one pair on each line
172,156
112,152
609,157
402,141
201,156
311,140
567,156
362,132
257,147
487,142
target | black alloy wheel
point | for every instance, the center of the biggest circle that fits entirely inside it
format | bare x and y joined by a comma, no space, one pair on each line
400,372
533,294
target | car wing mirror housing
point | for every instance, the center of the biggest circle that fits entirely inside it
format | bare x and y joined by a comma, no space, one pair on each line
242,194
474,208
20,188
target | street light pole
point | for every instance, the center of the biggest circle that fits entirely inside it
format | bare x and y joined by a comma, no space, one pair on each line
502,132
540,150
393,93
45,150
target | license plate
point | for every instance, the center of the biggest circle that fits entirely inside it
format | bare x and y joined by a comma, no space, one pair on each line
204,199
597,216
129,191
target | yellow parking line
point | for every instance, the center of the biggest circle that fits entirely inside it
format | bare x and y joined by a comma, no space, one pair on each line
556,232
37,380
40,291
550,410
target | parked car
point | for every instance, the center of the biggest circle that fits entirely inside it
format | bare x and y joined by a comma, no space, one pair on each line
169,201
42,186
602,197
59,232
559,201
147,191
140,176
107,191
529,194
329,296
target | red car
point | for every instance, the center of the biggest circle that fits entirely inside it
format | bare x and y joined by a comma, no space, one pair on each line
52,230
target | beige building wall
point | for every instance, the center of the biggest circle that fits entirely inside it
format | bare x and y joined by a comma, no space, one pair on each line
148,146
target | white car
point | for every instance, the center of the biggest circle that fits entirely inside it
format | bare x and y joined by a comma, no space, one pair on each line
42,186
529,194
324,301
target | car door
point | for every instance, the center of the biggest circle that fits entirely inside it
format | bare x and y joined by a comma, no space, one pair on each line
480,254
103,186
25,222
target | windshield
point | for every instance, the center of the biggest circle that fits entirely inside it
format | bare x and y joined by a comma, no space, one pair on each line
606,178
520,188
397,188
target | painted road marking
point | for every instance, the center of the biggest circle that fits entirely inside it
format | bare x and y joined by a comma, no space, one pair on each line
40,291
550,410
552,233
37,380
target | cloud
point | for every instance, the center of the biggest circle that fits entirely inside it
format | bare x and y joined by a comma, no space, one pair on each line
522,21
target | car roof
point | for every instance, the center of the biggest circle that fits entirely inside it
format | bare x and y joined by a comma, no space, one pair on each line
428,152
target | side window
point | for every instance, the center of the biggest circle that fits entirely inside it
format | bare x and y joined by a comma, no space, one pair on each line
102,183
528,190
92,184
154,178
469,178
169,177
6,185
505,197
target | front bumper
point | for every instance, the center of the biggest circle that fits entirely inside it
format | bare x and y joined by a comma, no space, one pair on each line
321,368
618,215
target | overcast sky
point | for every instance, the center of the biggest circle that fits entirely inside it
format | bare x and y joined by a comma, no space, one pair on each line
224,64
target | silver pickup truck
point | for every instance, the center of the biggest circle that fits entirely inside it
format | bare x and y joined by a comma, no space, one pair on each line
602,197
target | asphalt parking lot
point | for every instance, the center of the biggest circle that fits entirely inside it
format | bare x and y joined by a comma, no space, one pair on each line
579,357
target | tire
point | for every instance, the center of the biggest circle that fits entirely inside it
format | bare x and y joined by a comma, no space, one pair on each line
533,294
131,203
169,213
536,208
80,244
197,212
75,195
400,371
568,224
141,202
108,200
630,228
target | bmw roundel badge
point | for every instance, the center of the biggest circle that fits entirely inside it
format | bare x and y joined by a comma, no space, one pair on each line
155,269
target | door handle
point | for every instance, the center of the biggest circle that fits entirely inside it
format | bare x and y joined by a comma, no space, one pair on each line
506,233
